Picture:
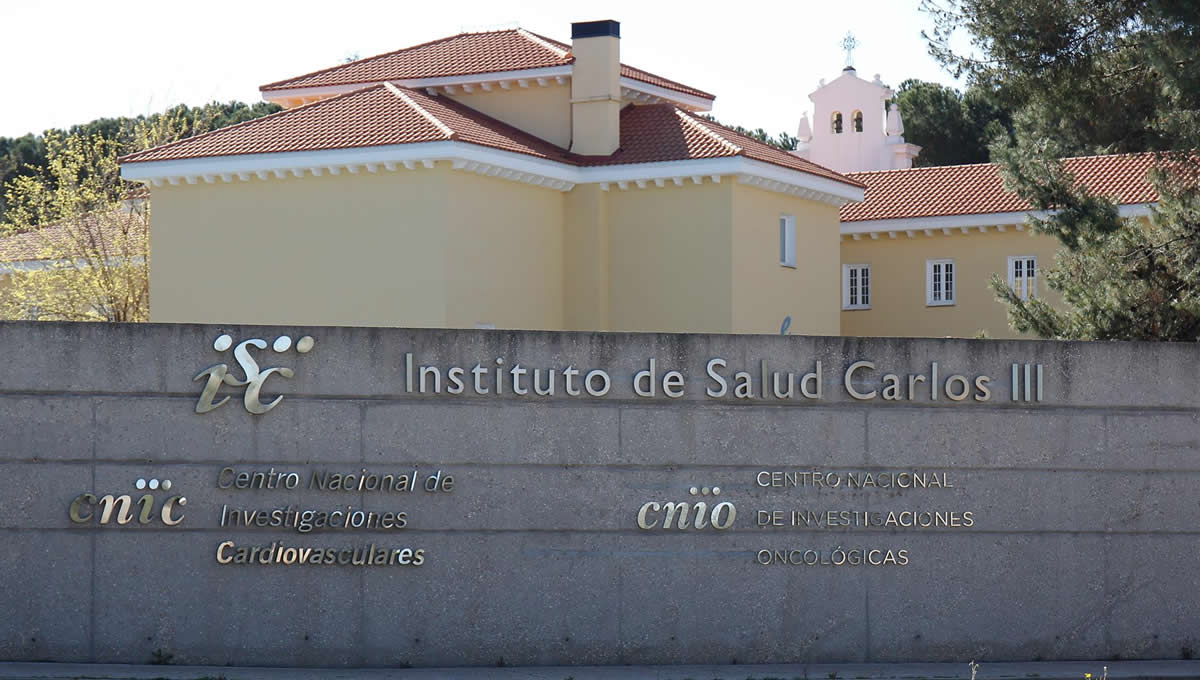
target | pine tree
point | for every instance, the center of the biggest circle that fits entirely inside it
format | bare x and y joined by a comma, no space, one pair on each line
1087,77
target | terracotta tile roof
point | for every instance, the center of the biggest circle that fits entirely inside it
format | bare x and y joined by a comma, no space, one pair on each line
55,240
651,79
663,132
373,116
759,151
462,54
639,75
30,245
978,189
385,114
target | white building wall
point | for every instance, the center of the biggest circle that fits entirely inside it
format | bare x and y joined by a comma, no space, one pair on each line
851,150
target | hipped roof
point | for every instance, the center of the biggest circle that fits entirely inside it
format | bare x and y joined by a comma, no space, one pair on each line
386,114
463,54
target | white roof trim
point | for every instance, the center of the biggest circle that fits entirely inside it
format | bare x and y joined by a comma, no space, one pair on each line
774,177
981,220
485,160
839,193
558,73
544,43
688,101
8,267
297,163
14,266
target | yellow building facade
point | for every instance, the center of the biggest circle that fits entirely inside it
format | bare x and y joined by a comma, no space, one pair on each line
919,253
506,180
563,192
696,257
899,302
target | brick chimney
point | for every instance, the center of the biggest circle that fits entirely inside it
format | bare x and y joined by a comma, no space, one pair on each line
596,87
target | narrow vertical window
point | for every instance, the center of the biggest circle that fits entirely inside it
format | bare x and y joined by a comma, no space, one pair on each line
787,240
856,286
939,282
1022,276
836,123
857,119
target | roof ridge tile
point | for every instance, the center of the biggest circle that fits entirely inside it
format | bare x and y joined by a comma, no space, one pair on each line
445,129
539,40
690,120
566,47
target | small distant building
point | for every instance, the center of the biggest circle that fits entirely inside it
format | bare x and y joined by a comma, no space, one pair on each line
80,265
927,242
856,128
919,251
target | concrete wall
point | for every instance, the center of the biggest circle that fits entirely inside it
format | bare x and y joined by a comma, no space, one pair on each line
1082,544
898,282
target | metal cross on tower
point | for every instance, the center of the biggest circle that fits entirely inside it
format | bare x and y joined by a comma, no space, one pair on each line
848,44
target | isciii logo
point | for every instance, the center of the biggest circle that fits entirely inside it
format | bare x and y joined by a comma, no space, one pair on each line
255,376
87,507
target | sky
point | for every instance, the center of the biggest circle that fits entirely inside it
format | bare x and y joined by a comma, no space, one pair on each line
63,63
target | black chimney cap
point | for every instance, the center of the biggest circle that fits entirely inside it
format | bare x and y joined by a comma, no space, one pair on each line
596,29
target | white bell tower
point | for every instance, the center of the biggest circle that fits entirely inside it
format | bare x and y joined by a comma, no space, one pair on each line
850,131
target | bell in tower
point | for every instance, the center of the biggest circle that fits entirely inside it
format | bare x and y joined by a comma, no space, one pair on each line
861,134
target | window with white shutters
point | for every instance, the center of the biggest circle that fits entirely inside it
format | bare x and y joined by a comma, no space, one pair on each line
856,286
939,282
1022,276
